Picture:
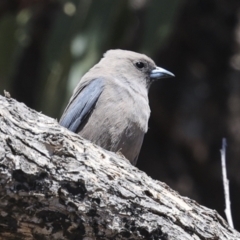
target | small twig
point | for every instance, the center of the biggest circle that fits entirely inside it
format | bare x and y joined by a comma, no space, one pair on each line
226,183
7,94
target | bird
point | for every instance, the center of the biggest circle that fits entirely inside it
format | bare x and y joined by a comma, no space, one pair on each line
110,105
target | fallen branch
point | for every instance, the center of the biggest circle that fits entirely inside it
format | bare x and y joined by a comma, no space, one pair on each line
56,185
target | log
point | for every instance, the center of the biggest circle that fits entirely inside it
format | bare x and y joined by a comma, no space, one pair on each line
57,185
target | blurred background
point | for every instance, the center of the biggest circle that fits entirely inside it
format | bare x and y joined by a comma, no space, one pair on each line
47,45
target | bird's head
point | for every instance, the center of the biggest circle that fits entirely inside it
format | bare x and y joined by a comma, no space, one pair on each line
132,65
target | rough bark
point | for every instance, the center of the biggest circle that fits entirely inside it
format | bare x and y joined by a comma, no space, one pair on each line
56,185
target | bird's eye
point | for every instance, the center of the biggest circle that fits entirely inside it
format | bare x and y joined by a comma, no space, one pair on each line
140,65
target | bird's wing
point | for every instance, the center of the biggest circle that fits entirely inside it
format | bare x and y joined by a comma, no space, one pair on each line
81,105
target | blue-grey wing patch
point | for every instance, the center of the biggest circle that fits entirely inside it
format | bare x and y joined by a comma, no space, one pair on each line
82,105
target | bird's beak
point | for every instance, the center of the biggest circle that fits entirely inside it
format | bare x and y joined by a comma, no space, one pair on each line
158,73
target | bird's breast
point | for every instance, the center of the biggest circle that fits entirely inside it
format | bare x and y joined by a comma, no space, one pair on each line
131,105
118,121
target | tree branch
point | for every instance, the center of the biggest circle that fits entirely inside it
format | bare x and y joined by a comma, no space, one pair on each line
56,185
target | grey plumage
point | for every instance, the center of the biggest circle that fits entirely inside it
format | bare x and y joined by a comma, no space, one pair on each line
110,106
